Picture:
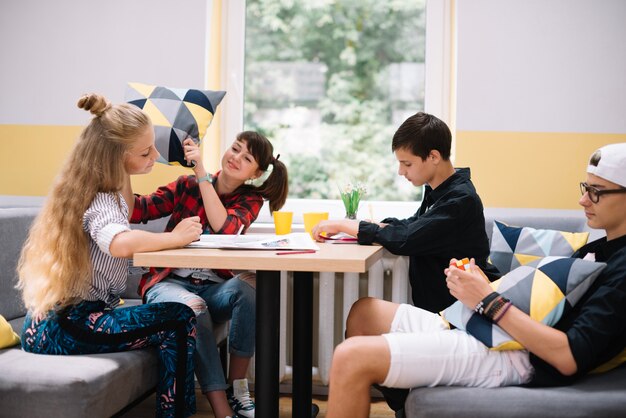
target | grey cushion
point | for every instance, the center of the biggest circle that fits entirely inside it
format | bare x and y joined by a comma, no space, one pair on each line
12,201
14,226
601,395
572,220
98,385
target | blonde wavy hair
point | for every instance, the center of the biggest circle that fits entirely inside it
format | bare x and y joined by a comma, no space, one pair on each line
55,268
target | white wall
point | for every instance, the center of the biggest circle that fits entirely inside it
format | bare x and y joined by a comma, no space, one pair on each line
53,51
541,65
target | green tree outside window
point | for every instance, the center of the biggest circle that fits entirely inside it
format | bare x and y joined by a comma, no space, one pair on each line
329,82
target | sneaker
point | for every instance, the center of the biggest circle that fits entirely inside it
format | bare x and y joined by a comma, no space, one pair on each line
239,399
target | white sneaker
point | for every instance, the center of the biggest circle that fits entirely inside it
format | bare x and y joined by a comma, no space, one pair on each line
239,398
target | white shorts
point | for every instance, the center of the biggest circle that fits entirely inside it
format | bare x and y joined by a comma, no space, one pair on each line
424,352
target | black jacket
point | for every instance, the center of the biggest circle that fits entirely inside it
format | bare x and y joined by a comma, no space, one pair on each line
449,224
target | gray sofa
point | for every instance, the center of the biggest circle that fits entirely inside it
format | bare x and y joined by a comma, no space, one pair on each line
596,395
36,385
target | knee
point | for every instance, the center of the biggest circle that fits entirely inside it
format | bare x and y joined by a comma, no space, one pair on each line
182,311
204,320
348,362
358,316
198,305
249,278
245,293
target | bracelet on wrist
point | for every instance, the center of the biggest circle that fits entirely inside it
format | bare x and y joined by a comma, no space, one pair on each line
497,304
208,178
483,304
495,307
501,312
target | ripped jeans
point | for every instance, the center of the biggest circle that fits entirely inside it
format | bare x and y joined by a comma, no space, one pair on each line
233,300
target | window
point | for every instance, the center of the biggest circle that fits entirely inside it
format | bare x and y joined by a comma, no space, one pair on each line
329,82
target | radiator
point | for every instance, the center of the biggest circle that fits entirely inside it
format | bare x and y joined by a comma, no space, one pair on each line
335,293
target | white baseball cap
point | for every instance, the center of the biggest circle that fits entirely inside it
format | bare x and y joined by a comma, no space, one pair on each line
609,162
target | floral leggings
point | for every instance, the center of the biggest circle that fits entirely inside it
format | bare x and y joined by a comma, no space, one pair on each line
89,328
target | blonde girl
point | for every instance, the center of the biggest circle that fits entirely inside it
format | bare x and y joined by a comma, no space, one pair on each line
73,266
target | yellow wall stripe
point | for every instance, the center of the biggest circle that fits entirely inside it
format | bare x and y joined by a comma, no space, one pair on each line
509,169
32,155
528,169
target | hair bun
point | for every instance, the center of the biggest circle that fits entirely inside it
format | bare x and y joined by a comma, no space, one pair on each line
94,103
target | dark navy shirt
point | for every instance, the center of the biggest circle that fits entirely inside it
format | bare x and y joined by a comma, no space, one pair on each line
596,326
449,224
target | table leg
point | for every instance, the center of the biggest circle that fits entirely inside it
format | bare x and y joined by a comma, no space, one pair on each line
302,344
266,384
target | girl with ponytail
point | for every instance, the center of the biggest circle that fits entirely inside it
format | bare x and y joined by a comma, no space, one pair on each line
227,203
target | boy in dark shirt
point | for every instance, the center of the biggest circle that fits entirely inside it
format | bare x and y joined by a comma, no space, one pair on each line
449,223
403,346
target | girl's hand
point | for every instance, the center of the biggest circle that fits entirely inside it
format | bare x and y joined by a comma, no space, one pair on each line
193,156
188,230
470,287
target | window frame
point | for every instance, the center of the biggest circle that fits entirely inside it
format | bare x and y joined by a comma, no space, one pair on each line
439,74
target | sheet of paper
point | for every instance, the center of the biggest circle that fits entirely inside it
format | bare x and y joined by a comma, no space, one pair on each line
293,241
342,238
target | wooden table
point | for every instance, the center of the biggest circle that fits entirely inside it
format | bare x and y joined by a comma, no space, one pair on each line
331,258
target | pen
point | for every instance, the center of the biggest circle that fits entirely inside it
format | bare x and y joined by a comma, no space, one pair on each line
295,252
239,232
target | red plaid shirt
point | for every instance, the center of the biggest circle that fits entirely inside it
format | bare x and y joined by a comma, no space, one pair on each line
182,199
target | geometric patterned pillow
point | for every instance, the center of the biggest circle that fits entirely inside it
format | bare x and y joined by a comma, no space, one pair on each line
176,114
8,337
544,289
513,246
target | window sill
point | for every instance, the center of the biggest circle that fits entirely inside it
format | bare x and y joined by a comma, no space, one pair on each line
376,210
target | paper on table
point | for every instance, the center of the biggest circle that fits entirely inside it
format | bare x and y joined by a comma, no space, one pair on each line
293,241
342,238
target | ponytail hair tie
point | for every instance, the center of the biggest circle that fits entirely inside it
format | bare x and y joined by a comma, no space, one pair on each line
274,159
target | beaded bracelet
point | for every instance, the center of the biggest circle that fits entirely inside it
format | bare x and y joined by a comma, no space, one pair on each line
501,312
480,306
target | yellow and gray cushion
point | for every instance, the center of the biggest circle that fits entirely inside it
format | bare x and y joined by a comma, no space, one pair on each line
544,289
176,114
513,246
8,337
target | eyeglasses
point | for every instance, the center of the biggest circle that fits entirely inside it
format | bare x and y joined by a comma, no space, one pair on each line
595,193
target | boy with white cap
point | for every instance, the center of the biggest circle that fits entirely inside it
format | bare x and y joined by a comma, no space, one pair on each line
404,346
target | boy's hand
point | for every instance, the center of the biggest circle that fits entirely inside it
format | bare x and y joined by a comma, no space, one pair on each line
330,228
463,264
471,286
324,229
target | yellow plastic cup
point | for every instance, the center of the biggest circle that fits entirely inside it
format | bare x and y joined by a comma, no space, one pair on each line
282,222
313,218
